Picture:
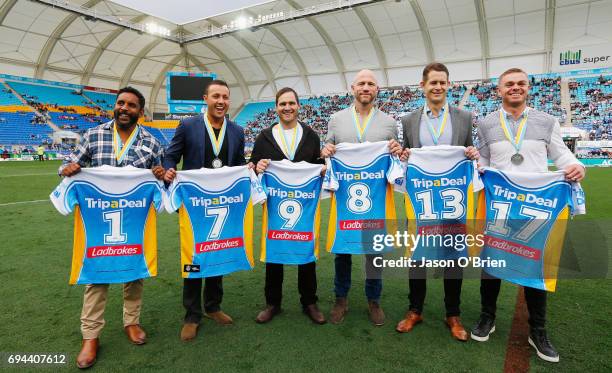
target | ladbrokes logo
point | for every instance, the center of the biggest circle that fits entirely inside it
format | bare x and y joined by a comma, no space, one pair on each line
441,182
97,203
221,200
363,175
280,193
524,197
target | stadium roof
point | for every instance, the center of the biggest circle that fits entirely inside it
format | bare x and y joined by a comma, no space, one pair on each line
317,54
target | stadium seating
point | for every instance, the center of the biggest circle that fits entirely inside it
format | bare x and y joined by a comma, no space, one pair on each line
17,129
591,105
106,101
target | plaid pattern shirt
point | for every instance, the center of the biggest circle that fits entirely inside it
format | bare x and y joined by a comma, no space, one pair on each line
96,149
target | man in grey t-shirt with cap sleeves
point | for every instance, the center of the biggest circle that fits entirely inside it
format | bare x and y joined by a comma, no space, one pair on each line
374,125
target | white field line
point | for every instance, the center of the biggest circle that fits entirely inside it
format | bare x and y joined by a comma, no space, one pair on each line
24,202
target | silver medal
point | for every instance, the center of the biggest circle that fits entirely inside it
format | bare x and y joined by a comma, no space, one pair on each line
517,159
216,163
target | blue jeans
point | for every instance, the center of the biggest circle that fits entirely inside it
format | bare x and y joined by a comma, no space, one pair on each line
342,280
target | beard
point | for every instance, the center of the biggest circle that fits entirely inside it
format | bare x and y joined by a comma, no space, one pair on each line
133,120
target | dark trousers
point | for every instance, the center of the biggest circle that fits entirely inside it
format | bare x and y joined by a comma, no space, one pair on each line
452,289
342,279
535,299
192,297
307,283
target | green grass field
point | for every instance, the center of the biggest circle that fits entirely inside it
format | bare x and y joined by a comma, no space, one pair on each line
40,311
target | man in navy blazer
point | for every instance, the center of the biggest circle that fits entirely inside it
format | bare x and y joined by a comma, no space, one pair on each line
202,141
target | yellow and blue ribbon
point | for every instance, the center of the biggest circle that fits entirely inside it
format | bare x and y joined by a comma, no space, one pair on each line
289,151
517,140
361,128
217,142
435,134
121,150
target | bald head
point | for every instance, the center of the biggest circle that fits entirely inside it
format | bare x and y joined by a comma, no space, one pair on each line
365,87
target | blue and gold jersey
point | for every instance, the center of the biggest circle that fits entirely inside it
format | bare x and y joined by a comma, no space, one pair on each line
361,178
115,209
526,216
290,228
215,219
439,184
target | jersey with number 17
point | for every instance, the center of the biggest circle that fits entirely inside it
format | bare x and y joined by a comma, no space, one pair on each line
361,177
215,219
526,216
115,237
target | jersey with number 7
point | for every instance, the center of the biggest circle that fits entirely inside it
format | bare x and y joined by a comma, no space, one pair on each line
215,219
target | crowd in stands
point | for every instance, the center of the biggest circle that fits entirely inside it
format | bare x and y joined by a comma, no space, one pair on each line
591,104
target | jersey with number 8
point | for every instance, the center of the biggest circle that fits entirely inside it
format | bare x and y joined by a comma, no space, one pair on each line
361,177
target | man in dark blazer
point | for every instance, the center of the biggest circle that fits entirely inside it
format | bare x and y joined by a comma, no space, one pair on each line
269,146
208,140
437,123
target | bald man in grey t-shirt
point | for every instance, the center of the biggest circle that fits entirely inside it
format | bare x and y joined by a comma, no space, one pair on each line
342,128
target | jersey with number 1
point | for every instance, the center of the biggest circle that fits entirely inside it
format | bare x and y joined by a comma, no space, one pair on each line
290,228
439,184
361,177
115,209
526,216
215,219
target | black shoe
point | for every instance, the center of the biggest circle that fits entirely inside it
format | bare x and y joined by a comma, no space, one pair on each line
483,328
546,351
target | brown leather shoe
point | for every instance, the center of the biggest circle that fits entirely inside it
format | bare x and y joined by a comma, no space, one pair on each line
377,316
189,331
410,320
267,314
220,317
135,334
87,355
312,311
336,315
457,330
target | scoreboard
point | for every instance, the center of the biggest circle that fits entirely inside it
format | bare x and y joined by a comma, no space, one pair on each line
185,91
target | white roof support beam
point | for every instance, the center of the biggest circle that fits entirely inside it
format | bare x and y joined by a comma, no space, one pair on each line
416,8
129,71
328,42
549,23
43,58
6,9
230,65
95,56
260,60
484,36
382,59
161,77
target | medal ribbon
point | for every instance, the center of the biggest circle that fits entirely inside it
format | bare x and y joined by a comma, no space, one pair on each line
289,151
121,150
216,142
361,127
517,141
435,135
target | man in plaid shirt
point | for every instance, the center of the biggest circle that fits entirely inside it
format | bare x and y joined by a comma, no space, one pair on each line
120,142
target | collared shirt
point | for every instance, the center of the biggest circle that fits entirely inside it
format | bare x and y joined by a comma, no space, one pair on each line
542,141
96,149
514,123
436,121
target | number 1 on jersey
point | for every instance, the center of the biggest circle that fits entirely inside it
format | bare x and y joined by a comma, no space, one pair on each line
116,235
